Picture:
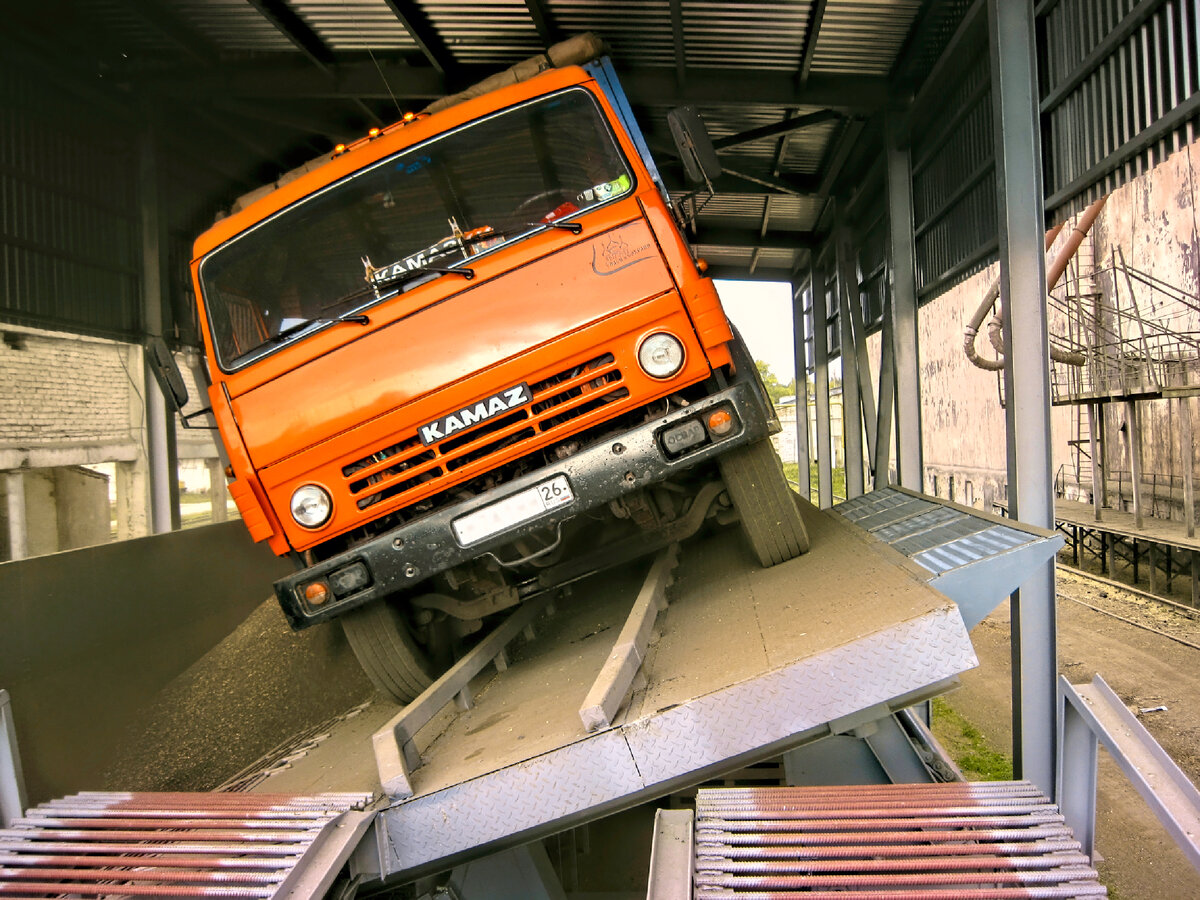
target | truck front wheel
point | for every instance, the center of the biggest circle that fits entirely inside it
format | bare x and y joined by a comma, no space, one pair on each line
387,651
765,504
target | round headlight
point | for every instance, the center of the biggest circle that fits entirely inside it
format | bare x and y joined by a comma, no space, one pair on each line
311,506
661,355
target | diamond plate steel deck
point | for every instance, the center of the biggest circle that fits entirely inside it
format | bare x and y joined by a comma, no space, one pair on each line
749,662
975,559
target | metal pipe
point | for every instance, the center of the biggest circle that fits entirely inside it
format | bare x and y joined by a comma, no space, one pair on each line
990,296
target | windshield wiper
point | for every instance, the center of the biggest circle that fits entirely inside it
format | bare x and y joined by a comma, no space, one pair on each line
409,274
357,318
573,227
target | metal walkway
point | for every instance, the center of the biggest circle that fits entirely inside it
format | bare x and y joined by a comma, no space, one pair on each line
974,558
955,841
114,845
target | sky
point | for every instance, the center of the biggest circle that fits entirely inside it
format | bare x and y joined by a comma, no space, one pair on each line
762,312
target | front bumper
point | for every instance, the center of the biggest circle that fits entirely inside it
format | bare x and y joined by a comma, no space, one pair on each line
625,462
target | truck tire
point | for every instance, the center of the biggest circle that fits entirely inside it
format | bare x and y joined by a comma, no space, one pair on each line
765,504
387,651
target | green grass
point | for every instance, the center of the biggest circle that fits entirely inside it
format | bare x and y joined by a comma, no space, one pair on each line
967,746
792,471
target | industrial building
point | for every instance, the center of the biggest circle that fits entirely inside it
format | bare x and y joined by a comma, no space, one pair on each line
985,213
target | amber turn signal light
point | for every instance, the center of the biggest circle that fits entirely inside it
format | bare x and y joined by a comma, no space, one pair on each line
316,593
720,422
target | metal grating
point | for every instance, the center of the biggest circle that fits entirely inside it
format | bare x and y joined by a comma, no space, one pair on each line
117,845
938,841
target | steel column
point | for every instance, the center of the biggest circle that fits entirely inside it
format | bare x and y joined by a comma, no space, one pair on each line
903,289
858,332
1027,376
887,398
1077,775
1095,419
1133,447
162,463
800,342
821,368
1188,452
852,429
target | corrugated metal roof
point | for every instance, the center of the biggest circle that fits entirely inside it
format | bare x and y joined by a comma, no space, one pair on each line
268,81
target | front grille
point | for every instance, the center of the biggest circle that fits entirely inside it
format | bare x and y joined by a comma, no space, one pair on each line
408,465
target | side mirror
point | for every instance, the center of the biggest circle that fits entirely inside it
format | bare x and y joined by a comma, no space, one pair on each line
166,371
695,147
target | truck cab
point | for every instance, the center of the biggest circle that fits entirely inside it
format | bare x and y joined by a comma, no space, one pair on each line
471,358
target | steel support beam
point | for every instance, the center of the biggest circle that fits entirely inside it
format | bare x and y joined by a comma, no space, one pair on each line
1021,216
887,399
821,370
852,410
786,126
815,17
542,22
858,330
799,342
902,288
161,461
1095,421
1188,461
1133,449
419,28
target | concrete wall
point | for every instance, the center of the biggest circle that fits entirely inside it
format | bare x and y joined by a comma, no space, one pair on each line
90,636
69,400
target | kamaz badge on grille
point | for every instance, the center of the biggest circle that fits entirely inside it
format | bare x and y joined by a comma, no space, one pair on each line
474,414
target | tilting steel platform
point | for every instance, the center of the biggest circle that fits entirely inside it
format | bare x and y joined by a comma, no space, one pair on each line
748,663
623,691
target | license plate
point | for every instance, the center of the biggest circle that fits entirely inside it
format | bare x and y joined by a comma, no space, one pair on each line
520,507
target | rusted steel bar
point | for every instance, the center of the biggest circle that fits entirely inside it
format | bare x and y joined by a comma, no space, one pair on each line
59,846
853,880
222,876
1033,892
288,825
883,822
882,851
933,862
69,834
120,858
51,888
750,838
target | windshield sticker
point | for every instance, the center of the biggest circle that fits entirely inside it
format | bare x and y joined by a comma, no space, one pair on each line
614,254
474,414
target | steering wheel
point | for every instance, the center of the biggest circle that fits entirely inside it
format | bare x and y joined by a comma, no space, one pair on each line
546,200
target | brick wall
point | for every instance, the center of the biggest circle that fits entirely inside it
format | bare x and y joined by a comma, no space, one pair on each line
63,389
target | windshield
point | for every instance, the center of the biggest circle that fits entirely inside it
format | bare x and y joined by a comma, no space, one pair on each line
437,204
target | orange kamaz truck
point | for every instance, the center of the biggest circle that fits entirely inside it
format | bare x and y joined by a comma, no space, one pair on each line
472,358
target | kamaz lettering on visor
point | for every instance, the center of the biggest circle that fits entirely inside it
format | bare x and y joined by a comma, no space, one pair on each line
474,414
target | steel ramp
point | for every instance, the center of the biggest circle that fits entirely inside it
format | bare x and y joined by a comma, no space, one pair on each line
954,841
746,663
110,845
974,558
